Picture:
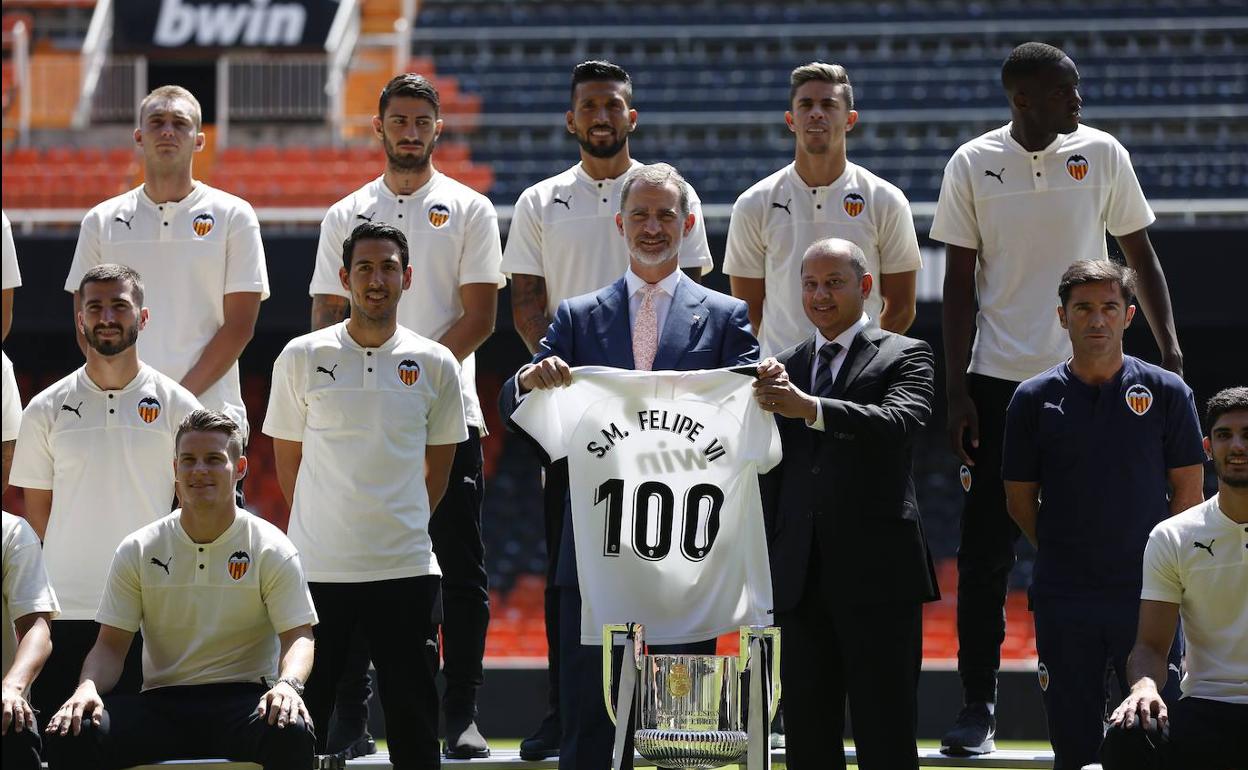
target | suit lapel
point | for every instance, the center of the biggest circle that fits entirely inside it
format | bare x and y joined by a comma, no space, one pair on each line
683,326
609,320
861,351
799,365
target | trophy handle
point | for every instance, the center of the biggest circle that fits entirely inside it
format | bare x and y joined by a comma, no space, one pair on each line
770,637
635,633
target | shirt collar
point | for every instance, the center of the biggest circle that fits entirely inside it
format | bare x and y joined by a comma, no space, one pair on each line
384,190
845,338
1013,143
634,283
581,174
196,188
347,341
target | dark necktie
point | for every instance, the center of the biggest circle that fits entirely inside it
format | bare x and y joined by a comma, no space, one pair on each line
823,375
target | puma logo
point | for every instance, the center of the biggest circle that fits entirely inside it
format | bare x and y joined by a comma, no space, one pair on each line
996,175
784,206
366,217
330,372
74,409
1209,548
567,204
1057,406
125,222
165,565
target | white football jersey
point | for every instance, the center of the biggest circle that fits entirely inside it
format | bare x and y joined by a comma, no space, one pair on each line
665,503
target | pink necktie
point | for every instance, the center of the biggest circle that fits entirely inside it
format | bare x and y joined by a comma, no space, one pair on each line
646,330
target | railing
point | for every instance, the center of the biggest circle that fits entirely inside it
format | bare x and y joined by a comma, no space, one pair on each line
120,85
344,33
18,42
94,55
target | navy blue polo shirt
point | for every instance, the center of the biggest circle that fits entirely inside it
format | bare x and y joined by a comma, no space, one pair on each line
1100,454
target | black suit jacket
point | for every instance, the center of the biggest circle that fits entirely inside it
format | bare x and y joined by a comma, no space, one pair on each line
848,491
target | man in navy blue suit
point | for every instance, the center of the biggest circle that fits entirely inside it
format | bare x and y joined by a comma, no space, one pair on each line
653,318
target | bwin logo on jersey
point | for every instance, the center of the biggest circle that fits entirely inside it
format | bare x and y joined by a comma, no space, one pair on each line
149,409
237,565
202,224
259,22
409,372
439,214
1077,167
854,204
964,476
1139,399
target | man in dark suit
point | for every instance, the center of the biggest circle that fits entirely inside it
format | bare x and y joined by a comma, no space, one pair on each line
849,562
653,318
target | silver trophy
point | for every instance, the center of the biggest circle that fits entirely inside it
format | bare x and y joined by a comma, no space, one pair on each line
688,708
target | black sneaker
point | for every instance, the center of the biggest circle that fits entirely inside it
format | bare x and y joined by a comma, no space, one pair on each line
361,747
972,732
544,743
464,740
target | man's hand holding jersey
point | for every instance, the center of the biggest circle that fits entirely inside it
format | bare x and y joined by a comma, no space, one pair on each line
551,372
775,393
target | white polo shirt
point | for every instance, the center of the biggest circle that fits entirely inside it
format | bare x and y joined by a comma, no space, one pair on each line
452,234
776,220
210,612
364,416
1199,561
10,275
107,456
563,229
190,254
11,414
26,586
1030,215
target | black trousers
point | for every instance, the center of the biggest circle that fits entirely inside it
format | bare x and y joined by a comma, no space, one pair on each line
71,641
554,492
21,751
1204,735
986,553
588,732
399,620
198,721
871,655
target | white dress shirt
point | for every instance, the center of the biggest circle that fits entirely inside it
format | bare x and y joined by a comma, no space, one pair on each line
662,300
844,339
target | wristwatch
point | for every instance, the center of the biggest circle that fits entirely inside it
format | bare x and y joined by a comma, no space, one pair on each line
294,683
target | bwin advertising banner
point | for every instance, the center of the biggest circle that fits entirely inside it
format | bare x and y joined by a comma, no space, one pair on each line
171,27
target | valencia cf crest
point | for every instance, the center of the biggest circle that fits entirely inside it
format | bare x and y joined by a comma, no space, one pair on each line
964,476
439,214
1077,167
238,564
1042,672
202,224
1139,399
149,409
854,204
409,372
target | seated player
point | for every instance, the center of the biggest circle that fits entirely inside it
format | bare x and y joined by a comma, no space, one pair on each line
224,607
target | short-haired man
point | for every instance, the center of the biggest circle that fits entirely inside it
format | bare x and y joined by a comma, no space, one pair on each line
1089,518
454,231
227,630
1017,206
849,561
198,249
365,417
562,244
820,194
1196,568
92,457
652,318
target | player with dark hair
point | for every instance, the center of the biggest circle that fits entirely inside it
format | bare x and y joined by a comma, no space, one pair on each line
562,243
227,630
1089,516
367,419
1017,206
454,231
1195,568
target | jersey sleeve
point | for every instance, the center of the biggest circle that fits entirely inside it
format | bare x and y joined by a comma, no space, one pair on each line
524,240
329,253
11,276
482,258
1020,454
745,254
899,244
1127,210
11,415
284,590
122,604
695,251
87,253
1182,444
33,465
955,221
287,414
447,424
27,589
184,402
245,269
540,417
1162,582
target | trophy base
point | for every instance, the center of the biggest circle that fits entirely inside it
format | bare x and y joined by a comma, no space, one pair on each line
691,750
